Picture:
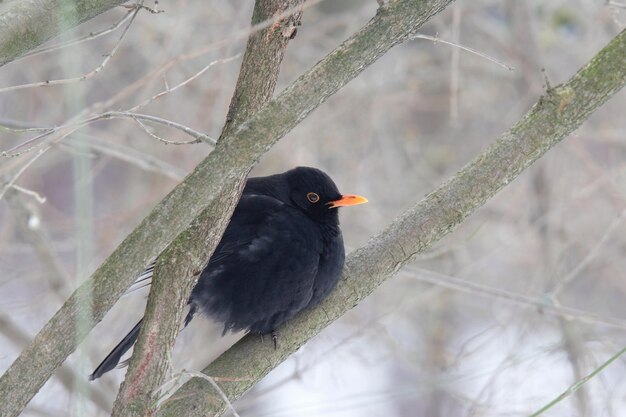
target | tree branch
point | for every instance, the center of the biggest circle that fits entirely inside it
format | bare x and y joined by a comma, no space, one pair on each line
177,269
264,53
26,24
557,113
212,185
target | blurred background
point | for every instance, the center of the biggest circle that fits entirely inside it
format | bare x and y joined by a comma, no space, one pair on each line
460,332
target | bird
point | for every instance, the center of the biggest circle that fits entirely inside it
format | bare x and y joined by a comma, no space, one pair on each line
282,252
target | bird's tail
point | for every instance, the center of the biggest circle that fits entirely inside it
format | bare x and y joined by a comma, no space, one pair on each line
113,359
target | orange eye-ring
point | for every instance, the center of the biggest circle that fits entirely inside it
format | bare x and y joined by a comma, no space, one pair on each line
313,198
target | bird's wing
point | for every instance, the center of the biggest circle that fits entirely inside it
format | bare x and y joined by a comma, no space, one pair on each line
145,278
264,268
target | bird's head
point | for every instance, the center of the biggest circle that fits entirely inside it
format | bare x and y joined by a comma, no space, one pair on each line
317,195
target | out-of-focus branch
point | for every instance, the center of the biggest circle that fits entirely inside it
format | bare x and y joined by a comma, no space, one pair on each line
177,269
213,186
54,272
557,113
25,24
131,156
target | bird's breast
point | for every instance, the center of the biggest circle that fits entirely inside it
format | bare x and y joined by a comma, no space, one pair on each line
331,263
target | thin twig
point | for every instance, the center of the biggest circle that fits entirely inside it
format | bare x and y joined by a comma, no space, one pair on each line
14,153
194,54
217,388
199,136
17,126
169,123
578,384
90,36
40,199
197,53
130,113
159,138
565,281
152,10
130,155
543,304
465,48
169,90
10,183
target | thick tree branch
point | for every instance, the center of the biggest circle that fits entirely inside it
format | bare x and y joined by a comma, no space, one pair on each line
264,53
557,113
212,185
66,375
26,24
178,267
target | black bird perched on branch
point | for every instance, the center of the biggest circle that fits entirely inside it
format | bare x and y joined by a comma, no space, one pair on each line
282,252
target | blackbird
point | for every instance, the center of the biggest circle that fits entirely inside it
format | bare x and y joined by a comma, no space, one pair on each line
282,252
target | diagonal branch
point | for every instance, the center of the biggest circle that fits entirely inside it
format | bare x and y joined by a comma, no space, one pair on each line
557,113
26,24
213,186
175,271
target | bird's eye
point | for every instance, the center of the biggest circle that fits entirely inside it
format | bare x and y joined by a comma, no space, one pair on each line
313,198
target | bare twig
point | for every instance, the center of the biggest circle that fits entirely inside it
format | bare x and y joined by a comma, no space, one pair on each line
38,197
159,138
200,137
169,90
88,37
161,71
14,178
578,384
18,126
465,48
543,304
131,156
55,274
215,386
130,113
15,152
566,280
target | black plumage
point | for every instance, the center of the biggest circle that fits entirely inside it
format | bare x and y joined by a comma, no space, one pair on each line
282,252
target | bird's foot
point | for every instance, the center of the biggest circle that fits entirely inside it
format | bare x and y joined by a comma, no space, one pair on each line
274,334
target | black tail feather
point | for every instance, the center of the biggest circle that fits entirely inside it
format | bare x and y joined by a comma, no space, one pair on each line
113,358
193,308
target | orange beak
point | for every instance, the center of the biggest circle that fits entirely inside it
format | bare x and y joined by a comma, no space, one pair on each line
347,200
